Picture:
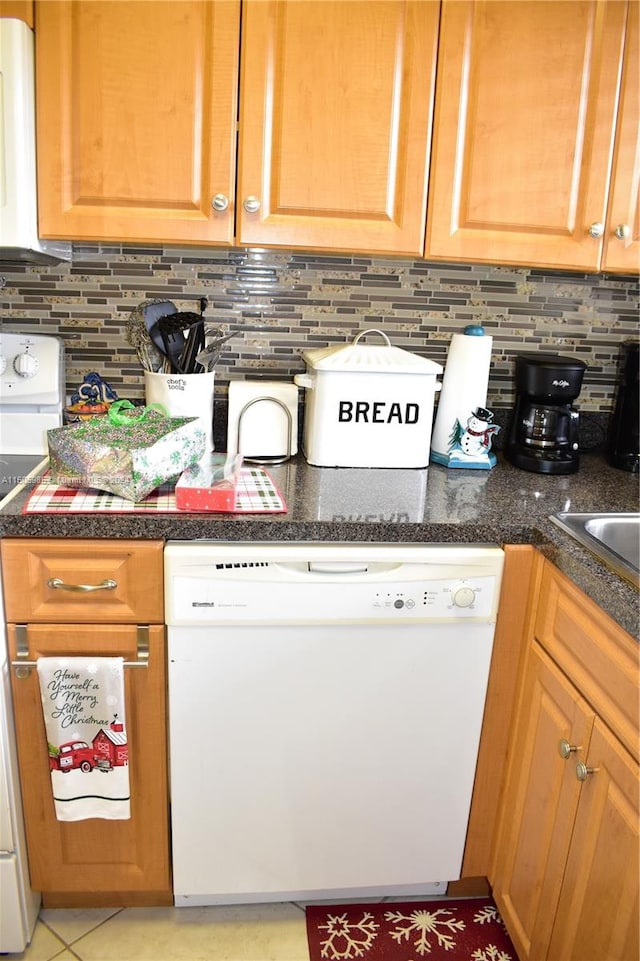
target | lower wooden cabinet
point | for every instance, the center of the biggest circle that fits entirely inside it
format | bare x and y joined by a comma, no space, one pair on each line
565,874
597,914
98,862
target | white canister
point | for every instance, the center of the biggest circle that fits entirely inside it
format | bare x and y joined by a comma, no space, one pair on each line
367,405
184,395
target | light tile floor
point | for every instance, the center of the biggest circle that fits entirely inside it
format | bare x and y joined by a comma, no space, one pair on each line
250,932
257,932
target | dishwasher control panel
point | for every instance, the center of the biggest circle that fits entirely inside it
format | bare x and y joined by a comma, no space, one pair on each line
208,601
435,586
473,594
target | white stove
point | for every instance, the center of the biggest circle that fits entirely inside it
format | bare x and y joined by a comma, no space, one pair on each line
32,398
32,395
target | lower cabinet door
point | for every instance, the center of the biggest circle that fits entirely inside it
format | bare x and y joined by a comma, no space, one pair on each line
539,805
597,913
97,861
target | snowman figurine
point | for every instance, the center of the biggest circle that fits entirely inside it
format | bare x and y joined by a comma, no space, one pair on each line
470,445
475,438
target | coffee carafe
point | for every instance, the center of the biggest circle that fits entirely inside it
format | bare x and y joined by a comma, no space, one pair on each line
543,429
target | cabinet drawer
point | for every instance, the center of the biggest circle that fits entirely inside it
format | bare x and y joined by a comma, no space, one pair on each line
125,580
599,656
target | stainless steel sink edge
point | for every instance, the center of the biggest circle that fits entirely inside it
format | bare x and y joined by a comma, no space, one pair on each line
576,525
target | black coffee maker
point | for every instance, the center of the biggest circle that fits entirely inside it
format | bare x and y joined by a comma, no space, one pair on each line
623,444
542,435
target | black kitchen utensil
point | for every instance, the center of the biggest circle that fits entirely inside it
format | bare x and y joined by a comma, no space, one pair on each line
153,311
172,328
193,346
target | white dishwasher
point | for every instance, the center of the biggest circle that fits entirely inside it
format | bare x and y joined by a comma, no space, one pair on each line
325,708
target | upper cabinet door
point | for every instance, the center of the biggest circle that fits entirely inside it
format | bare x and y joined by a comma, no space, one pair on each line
19,9
136,119
524,131
622,250
335,123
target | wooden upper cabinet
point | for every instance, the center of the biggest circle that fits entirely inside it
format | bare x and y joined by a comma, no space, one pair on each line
18,9
335,123
136,118
524,131
622,249
535,131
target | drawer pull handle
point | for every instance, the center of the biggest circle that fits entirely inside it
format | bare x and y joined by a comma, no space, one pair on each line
59,585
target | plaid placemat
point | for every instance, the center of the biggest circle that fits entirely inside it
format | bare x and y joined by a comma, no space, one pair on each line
257,494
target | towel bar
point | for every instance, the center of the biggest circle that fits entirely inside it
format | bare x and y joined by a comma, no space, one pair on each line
23,665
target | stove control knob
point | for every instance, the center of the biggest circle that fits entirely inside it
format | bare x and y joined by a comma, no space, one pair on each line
463,596
26,365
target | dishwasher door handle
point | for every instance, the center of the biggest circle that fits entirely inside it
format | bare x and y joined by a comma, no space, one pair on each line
338,567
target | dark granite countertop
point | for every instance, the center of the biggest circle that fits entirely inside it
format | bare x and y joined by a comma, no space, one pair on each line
434,505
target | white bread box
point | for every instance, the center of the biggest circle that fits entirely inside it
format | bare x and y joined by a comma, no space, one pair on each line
367,405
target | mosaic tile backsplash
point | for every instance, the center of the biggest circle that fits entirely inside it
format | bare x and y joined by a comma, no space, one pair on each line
279,302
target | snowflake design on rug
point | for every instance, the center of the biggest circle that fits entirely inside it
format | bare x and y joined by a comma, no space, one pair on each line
348,939
488,913
423,924
490,953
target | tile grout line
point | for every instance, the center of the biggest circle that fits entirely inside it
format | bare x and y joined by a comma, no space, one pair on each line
65,946
68,944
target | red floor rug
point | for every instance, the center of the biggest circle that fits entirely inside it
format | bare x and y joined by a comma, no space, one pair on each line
452,929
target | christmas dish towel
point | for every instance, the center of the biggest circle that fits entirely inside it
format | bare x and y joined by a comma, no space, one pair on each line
83,707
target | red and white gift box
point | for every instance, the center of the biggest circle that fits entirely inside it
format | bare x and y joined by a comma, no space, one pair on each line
210,485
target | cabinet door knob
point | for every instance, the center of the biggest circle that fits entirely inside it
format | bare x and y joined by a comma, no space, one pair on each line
566,749
623,231
583,772
251,204
596,229
220,202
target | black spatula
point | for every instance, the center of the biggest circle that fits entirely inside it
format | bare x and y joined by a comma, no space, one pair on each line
172,328
153,311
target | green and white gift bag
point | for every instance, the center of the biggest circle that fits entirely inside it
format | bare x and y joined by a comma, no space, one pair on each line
130,452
